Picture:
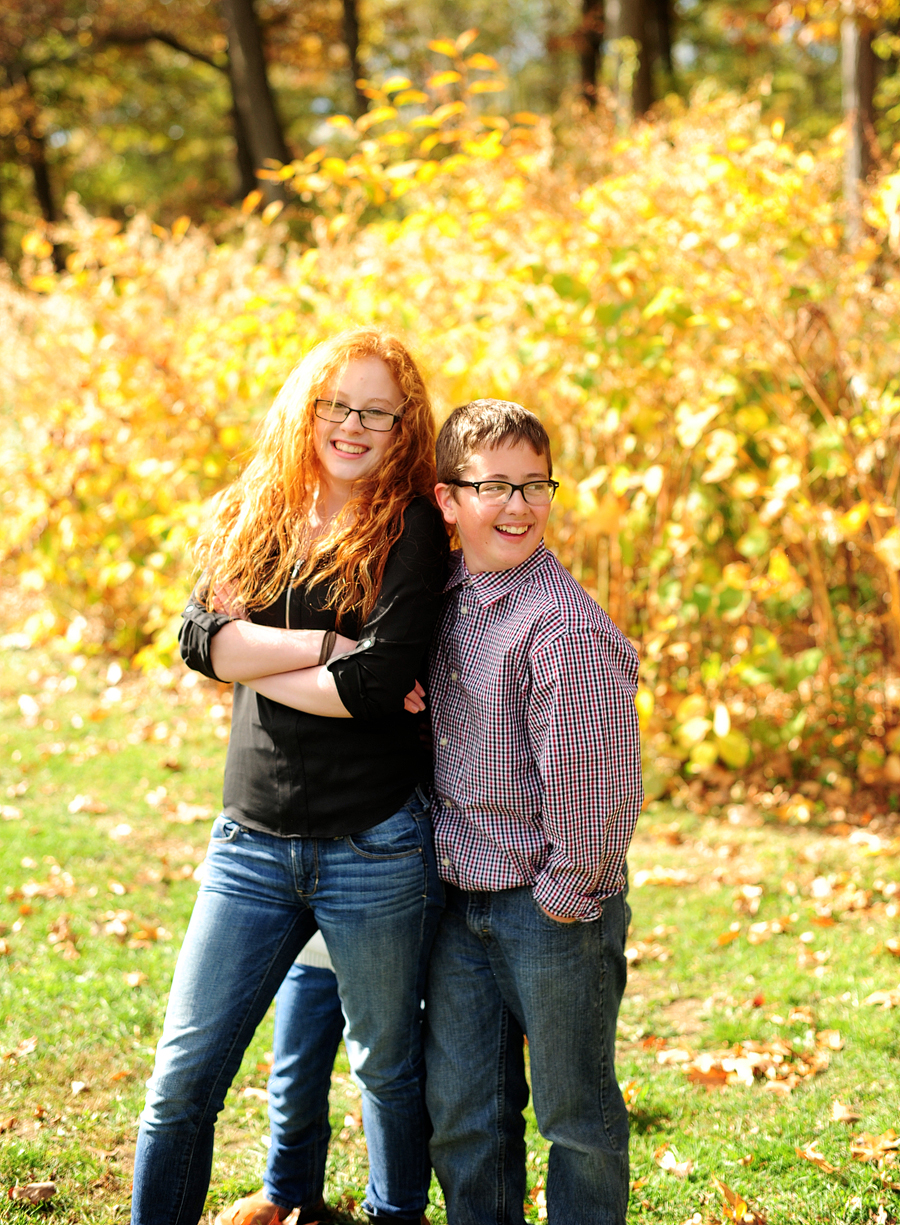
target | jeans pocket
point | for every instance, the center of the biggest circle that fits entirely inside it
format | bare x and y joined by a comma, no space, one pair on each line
554,923
396,838
224,830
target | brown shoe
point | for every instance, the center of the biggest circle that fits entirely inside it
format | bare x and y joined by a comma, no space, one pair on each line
253,1209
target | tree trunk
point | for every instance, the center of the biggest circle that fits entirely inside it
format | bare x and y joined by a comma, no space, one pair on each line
351,39
626,30
252,94
591,44
663,13
36,156
242,155
857,89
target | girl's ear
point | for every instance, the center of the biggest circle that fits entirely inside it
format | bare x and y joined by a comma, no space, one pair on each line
446,500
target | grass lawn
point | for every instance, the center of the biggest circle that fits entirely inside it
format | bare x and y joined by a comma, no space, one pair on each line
752,1059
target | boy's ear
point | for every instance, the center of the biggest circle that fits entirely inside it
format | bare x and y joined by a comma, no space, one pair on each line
446,500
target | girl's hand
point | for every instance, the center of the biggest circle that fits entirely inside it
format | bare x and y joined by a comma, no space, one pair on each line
414,701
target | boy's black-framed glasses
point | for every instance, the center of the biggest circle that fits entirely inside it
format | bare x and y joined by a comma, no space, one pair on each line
498,493
369,418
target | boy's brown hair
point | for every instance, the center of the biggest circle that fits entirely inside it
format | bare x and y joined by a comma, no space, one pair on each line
483,425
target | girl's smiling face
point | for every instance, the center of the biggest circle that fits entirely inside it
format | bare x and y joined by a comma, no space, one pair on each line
347,450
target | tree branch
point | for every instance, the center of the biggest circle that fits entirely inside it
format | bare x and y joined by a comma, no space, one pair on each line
132,38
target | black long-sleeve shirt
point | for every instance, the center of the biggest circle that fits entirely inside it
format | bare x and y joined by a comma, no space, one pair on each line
292,773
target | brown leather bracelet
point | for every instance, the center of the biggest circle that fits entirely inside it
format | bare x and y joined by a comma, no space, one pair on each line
327,647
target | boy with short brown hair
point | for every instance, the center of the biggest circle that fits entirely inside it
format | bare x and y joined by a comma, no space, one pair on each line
537,790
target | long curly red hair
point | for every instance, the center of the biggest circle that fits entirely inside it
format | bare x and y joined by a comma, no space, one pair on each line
253,537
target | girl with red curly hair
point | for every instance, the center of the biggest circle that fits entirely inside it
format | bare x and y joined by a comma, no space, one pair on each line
323,569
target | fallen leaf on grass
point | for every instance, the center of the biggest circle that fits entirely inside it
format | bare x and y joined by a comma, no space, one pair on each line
747,898
667,1160
646,951
736,1207
893,945
8,1124
631,1092
663,876
80,1086
63,938
539,1199
843,1114
26,1047
810,1152
778,1064
5,948
251,1091
86,803
135,978
887,999
34,1192
187,814
10,813
733,933
866,1147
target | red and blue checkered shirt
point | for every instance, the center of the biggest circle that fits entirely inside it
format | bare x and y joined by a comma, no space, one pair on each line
537,755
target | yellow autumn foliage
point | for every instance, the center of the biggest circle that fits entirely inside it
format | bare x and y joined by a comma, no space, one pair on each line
716,367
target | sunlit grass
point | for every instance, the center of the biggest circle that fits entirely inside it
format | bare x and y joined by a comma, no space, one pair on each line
109,879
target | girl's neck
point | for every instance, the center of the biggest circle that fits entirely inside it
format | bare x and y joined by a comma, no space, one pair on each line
327,505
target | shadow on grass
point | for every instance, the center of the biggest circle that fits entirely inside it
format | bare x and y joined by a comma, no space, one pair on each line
645,1121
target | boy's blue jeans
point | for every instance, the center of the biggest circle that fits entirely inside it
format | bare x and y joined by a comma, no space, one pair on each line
375,897
500,966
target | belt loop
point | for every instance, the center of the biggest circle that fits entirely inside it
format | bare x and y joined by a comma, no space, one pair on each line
423,795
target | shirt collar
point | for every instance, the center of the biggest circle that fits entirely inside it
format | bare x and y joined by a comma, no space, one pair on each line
492,585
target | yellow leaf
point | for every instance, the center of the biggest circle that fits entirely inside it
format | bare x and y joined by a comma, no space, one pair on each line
855,519
249,203
340,121
393,84
487,87
888,549
271,211
36,244
409,96
42,284
443,47
449,109
485,62
528,117
643,701
443,78
377,116
180,227
466,39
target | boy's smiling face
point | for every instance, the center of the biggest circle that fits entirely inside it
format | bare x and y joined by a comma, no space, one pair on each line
497,537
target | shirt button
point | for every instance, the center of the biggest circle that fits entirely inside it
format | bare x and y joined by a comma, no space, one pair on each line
463,610
366,642
446,862
454,676
443,740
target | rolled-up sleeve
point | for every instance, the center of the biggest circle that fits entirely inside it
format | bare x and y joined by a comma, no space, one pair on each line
373,679
198,628
583,730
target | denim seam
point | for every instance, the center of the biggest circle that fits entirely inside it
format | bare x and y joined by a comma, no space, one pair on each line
501,1116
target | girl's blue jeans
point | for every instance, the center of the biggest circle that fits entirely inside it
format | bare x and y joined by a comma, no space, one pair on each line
376,898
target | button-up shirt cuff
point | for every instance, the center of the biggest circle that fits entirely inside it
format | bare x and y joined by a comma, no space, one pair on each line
553,896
